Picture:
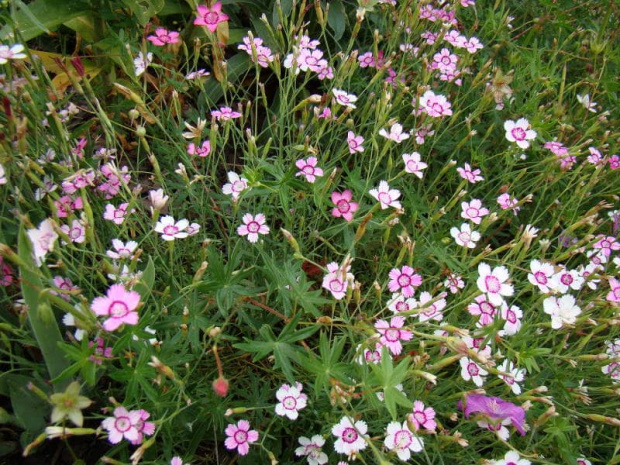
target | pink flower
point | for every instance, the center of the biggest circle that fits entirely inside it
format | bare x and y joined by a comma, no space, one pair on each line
253,226
473,45
606,244
65,285
483,308
350,436
240,436
143,426
465,237
43,239
614,294
387,197
391,334
431,307
401,440
454,283
202,151
122,425
396,133
210,17
119,305
291,401
404,280
355,142
171,230
520,132
366,60
413,164
235,186
470,370
308,169
422,417
121,250
76,232
512,317
614,162
163,36
472,176
225,113
263,54
399,303
473,211
337,280
493,283
541,275
422,133
444,60
117,215
434,105
344,206
344,99
506,202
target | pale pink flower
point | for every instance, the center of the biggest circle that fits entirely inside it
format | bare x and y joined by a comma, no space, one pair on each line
117,215
465,237
580,461
240,436
413,164
312,449
351,437
308,169
473,45
225,114
210,17
76,232
484,309
176,460
142,62
263,54
474,211
114,179
520,132
370,355
557,148
566,279
366,60
171,229
471,371
404,280
541,275
396,133
399,303
493,283
119,305
163,36
122,425
157,199
43,239
606,245
197,74
355,142
391,334
401,440
507,202
563,310
387,197
344,99
586,102
193,229
513,376
512,316
454,283
431,308
253,226
202,150
344,205
513,458
595,157
471,175
291,401
435,105
614,294
235,186
144,427
444,60
337,280
422,417
65,285
422,133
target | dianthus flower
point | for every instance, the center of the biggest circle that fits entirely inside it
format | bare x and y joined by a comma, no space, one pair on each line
493,283
387,197
171,230
391,334
308,169
337,280
210,17
225,114
291,401
344,99
163,36
240,436
413,164
344,205
253,226
355,142
471,175
563,310
235,186
401,440
351,437
396,133
404,280
312,449
435,105
520,132
422,417
119,305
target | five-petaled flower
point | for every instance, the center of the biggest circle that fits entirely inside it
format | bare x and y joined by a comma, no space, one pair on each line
119,305
240,436
344,99
344,205
355,142
392,333
312,449
413,164
253,226
404,280
308,169
493,283
422,417
291,401
235,186
171,230
387,197
163,36
520,132
210,17
495,410
401,440
351,437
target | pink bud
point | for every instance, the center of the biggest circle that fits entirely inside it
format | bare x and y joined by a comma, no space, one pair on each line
220,386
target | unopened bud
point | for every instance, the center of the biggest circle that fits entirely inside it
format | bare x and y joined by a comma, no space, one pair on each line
220,386
236,410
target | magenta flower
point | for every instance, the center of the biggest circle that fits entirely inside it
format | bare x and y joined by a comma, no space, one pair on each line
240,436
308,169
344,207
201,151
391,334
225,113
606,244
253,226
163,36
404,280
495,410
355,142
119,305
614,294
422,417
210,17
76,232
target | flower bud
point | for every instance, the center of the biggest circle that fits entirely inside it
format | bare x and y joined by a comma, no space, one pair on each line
220,386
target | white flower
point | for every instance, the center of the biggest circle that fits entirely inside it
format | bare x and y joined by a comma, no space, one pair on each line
291,401
141,63
585,101
520,132
396,133
493,283
344,99
312,450
513,376
235,185
351,437
2,175
43,239
563,310
386,196
465,237
171,230
11,53
400,439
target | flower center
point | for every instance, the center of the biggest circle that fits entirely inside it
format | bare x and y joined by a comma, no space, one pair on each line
518,134
211,18
122,424
336,285
493,285
308,169
511,317
472,212
253,227
486,308
566,279
385,198
392,335
343,206
472,369
404,280
118,309
541,277
238,186
420,417
240,436
170,230
289,403
349,435
402,439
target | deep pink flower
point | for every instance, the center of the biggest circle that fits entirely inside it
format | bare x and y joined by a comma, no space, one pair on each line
422,417
344,206
391,334
210,17
404,280
163,36
308,169
119,305
201,151
495,410
240,436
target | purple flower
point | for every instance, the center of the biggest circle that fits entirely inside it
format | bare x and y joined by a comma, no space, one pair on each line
495,409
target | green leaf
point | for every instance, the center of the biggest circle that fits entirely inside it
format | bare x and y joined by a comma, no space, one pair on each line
144,10
145,285
29,409
336,18
40,315
43,15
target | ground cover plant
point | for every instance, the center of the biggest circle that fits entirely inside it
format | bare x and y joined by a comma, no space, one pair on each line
310,232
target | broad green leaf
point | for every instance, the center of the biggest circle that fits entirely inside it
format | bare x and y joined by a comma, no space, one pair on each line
144,10
41,16
29,409
336,18
40,314
145,285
